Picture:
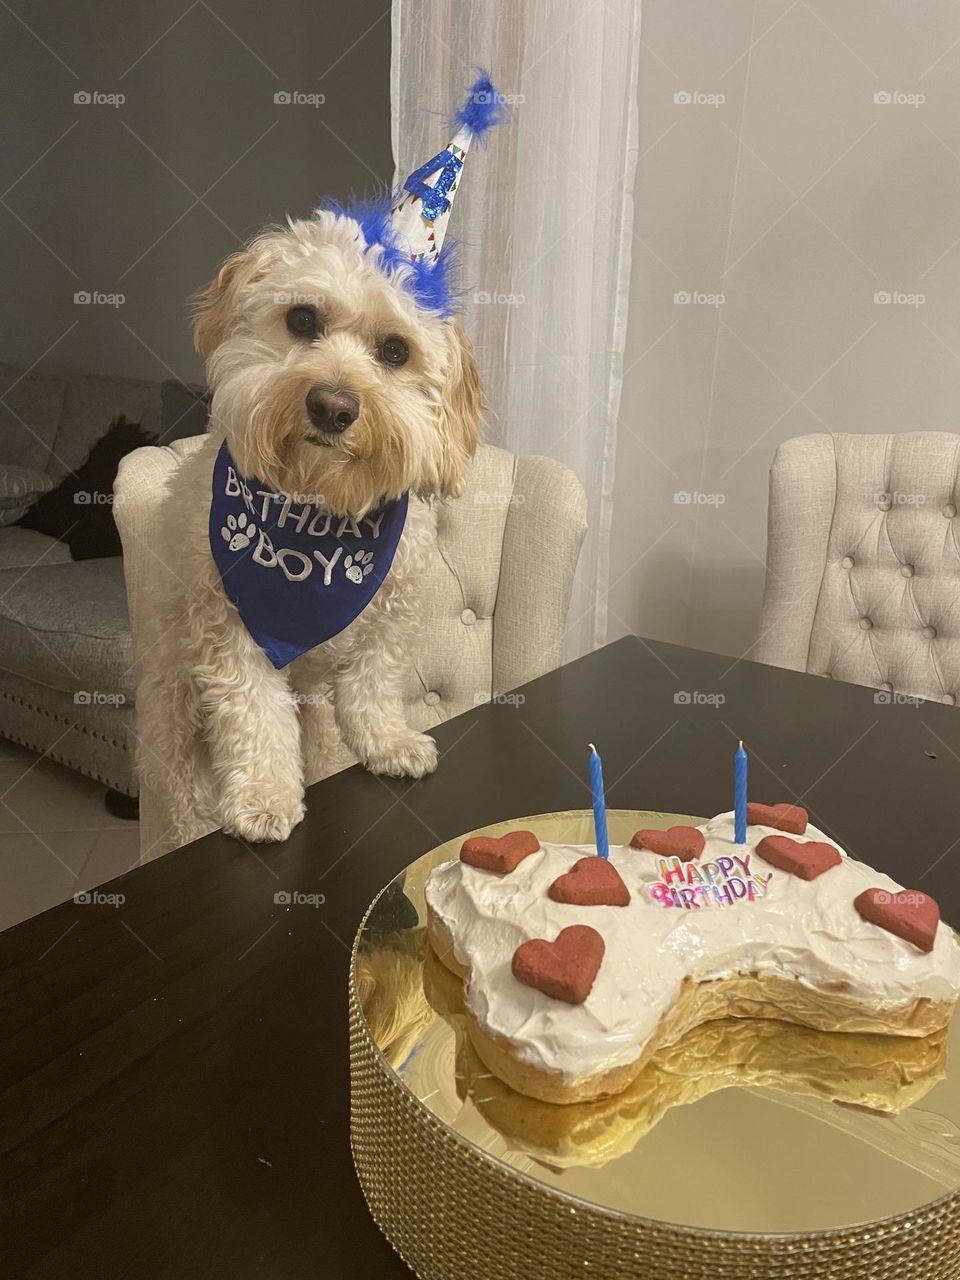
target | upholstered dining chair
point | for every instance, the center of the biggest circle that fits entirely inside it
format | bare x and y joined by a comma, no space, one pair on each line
863,562
497,587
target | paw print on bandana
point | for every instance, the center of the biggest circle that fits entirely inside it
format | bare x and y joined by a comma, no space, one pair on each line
238,532
357,567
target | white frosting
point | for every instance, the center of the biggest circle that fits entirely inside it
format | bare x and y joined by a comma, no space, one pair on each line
807,930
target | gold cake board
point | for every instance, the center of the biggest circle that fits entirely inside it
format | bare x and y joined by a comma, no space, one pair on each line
458,1208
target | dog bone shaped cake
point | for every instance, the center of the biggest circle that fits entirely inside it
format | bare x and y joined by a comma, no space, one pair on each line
770,929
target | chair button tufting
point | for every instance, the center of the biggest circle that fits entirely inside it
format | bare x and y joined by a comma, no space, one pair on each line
950,699
907,570
949,511
866,624
887,687
929,633
431,698
468,617
847,562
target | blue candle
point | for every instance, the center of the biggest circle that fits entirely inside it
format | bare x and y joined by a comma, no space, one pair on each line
599,803
740,795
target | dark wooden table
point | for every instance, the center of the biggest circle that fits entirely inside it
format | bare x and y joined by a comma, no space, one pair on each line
174,1069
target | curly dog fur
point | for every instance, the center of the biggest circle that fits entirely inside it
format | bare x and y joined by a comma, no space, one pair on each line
211,692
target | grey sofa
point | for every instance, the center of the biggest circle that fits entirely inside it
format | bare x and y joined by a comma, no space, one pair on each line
66,679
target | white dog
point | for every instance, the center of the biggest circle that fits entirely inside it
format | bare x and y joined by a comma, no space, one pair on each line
328,379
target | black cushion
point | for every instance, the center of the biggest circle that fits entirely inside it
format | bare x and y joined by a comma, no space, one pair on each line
79,511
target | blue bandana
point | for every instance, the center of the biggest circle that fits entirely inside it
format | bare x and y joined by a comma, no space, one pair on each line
297,574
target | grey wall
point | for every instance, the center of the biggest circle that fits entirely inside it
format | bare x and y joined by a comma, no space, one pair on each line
798,198
146,199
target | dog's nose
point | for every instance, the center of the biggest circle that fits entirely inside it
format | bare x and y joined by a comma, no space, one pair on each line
332,410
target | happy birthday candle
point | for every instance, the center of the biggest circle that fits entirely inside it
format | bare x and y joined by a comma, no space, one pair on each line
599,803
740,794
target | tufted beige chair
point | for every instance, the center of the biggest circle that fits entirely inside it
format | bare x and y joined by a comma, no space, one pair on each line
497,587
863,562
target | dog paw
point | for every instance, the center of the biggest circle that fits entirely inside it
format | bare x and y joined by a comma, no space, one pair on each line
412,756
263,825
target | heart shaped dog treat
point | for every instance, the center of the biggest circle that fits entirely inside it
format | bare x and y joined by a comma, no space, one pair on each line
591,882
909,914
785,817
804,858
564,969
499,853
684,843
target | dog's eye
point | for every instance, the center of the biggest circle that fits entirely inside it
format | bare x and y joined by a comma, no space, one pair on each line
302,322
394,351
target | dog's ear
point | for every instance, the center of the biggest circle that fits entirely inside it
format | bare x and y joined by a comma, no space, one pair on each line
459,412
216,305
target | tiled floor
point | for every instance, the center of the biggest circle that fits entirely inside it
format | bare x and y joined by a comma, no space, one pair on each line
56,837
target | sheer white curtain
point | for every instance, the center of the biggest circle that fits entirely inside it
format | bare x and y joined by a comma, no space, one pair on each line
544,218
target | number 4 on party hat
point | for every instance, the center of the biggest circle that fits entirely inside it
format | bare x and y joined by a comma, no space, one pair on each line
422,212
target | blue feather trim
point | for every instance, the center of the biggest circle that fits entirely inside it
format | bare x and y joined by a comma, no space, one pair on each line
483,109
429,283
